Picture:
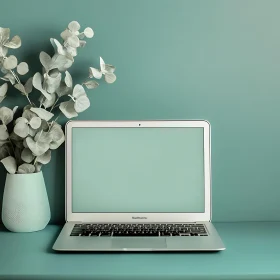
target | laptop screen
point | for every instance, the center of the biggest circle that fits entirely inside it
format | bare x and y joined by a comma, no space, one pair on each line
152,170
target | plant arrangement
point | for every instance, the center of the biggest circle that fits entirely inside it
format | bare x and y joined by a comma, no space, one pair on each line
26,142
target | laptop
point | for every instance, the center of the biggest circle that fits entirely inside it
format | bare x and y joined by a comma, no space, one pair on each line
138,186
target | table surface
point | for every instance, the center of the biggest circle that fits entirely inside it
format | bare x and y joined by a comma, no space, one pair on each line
253,252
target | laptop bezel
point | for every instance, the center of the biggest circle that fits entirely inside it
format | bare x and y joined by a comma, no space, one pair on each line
138,217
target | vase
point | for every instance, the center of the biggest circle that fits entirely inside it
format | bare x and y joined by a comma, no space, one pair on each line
25,203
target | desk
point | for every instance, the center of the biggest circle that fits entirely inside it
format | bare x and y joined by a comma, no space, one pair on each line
253,252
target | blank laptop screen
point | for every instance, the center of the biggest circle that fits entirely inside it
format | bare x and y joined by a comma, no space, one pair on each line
137,170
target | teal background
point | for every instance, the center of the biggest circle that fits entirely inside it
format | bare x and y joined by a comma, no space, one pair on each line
177,59
138,170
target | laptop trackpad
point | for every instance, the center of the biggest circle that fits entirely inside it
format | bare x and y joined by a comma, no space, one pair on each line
138,242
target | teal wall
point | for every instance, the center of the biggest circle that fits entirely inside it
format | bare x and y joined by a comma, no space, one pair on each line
178,59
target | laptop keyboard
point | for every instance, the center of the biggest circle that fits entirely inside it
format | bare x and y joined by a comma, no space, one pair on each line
123,230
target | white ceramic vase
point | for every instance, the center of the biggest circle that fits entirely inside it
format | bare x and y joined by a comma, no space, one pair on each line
25,203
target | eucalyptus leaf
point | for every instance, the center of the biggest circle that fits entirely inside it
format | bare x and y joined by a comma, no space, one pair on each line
43,136
32,132
57,136
3,89
91,84
21,88
38,166
52,83
10,164
63,90
9,78
28,86
61,62
74,26
67,108
6,115
26,168
68,80
14,43
24,143
58,47
21,128
27,114
27,155
110,78
4,135
47,103
44,158
10,62
22,68
37,83
3,51
95,73
37,148
82,43
65,34
35,122
88,32
81,100
21,119
72,51
5,151
45,60
4,34
42,113
73,41
15,109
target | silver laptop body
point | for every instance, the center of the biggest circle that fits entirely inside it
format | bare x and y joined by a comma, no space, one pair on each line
138,186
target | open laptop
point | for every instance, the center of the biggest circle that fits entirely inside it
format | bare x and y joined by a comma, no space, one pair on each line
138,186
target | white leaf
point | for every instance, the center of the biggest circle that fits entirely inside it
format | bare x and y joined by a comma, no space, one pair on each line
82,43
42,113
21,119
47,103
38,166
56,132
3,90
35,122
67,108
43,137
74,26
27,114
44,158
26,155
52,83
65,34
63,90
78,91
72,51
81,104
10,164
58,47
37,83
14,43
61,62
21,88
37,148
45,60
22,68
109,68
110,78
9,78
68,79
28,85
95,73
21,128
15,109
73,41
10,62
4,34
88,32
3,51
91,84
6,115
26,168
4,135
102,65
